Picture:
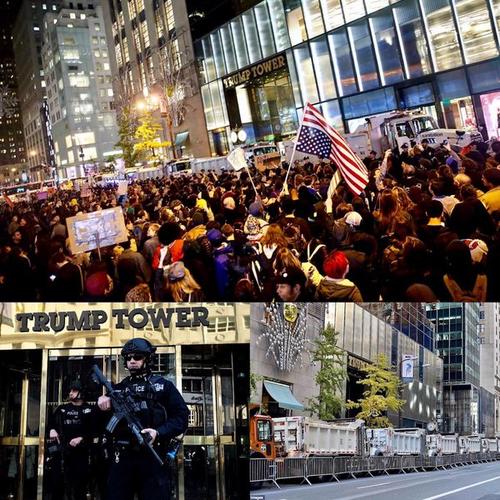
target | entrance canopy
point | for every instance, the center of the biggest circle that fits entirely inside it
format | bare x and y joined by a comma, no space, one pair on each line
181,138
282,394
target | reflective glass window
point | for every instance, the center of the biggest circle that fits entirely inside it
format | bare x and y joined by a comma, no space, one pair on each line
209,59
452,84
353,9
312,16
220,66
323,67
207,106
342,62
373,5
331,111
239,42
265,30
306,74
294,78
295,20
442,35
417,95
362,51
228,47
252,38
332,14
410,31
475,30
386,48
218,104
496,10
484,77
278,21
200,58
369,103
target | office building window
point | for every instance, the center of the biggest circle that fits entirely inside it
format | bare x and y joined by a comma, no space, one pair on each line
362,51
251,36
323,67
410,30
386,48
342,62
496,11
442,35
278,21
295,20
208,59
294,77
369,103
228,47
475,30
332,14
220,66
313,19
306,74
353,9
265,30
331,111
239,42
374,5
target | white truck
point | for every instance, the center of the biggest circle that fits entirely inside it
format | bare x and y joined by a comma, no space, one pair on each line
392,130
390,442
304,437
489,445
441,444
469,444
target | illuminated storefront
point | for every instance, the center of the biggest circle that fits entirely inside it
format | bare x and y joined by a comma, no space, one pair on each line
208,363
356,58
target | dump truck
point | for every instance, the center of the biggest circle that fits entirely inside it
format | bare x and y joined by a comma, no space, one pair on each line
392,130
261,437
469,444
305,437
390,442
489,445
441,444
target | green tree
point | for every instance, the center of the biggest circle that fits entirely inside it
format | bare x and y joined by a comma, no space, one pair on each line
381,394
127,126
330,377
147,135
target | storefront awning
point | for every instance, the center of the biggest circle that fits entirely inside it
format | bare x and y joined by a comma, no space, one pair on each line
181,138
282,395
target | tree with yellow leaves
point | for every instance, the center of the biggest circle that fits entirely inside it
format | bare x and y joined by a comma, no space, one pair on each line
381,394
147,137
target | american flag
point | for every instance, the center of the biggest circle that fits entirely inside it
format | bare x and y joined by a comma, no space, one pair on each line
317,137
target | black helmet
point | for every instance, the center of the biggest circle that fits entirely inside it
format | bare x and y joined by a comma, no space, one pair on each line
138,346
76,385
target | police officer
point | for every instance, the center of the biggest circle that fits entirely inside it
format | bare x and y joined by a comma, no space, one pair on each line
71,426
164,416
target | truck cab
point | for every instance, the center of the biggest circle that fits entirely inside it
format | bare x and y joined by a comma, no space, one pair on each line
261,437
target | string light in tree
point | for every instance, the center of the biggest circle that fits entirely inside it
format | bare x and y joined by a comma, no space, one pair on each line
286,332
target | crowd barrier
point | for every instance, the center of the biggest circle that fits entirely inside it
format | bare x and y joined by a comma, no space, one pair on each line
335,468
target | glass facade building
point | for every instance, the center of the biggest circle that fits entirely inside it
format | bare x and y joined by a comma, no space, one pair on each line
457,330
353,59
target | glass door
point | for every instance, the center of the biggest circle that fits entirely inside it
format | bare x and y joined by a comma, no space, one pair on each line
20,373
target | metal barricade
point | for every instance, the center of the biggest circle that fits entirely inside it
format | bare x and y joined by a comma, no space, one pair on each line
320,467
292,468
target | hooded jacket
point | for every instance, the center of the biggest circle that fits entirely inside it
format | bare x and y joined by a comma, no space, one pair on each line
341,290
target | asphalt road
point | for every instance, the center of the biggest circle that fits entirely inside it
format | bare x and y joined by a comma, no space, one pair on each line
472,482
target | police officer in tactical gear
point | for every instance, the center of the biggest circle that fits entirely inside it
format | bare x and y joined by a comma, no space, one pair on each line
71,426
164,416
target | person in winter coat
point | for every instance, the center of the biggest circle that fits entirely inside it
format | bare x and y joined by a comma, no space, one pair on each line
223,255
334,286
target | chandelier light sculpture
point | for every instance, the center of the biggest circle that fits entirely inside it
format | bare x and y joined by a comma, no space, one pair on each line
285,330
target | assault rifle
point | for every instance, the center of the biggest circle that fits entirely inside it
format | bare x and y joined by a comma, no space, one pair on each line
125,408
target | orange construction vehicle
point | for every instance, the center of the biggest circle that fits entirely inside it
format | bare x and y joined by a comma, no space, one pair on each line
261,437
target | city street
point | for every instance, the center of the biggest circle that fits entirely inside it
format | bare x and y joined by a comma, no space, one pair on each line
481,481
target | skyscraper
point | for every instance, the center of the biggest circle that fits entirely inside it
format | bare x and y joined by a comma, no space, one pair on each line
12,150
457,328
27,41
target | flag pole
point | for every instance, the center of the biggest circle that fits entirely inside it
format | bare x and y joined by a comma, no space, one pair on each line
285,187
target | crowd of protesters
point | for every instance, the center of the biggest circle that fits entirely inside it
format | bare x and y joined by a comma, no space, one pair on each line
426,228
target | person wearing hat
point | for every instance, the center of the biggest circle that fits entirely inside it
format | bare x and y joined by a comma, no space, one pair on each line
163,414
71,427
491,199
335,286
291,285
426,151
179,285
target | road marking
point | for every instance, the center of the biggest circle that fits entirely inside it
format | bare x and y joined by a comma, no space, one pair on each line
462,489
374,485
